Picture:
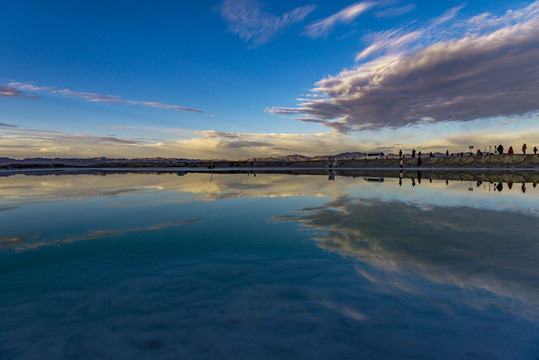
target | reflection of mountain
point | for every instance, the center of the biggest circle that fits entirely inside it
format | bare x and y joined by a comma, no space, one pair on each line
477,250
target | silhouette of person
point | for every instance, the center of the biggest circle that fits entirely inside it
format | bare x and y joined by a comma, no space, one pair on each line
510,185
510,151
419,161
447,153
419,177
413,182
500,149
419,153
446,182
535,150
523,188
401,163
534,185
524,147
400,153
413,153
499,187
430,180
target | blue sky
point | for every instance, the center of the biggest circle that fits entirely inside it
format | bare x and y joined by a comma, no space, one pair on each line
243,78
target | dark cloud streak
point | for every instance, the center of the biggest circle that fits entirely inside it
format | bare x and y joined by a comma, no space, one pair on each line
9,91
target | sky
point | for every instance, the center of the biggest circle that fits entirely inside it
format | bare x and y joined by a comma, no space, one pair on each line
237,79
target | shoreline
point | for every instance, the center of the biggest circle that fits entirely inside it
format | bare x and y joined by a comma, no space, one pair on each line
498,162
171,169
453,174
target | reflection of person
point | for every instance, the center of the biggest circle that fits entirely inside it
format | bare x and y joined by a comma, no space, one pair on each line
419,161
510,185
401,163
446,182
413,182
523,188
499,187
419,177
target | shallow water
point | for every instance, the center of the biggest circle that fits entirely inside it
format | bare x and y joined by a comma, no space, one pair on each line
236,266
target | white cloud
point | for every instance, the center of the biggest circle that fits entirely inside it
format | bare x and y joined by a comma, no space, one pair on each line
395,11
249,20
476,74
322,28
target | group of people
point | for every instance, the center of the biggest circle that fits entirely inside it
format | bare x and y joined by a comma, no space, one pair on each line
510,151
498,149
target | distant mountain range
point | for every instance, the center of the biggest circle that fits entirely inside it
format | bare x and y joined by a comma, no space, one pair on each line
159,160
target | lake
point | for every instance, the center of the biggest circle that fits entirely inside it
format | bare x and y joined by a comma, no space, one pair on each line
267,265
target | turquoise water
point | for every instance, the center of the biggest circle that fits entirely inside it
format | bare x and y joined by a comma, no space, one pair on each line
232,266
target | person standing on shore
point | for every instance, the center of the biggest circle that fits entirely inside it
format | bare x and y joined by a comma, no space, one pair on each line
419,161
510,151
524,147
500,149
400,153
447,153
413,153
535,150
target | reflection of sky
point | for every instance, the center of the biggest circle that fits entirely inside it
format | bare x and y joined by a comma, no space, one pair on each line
477,250
136,262
20,188
456,193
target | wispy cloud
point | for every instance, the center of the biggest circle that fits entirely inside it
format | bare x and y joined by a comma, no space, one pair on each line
249,20
321,28
395,11
9,91
477,73
94,97
10,126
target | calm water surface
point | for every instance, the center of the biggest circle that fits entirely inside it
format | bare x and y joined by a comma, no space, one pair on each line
233,266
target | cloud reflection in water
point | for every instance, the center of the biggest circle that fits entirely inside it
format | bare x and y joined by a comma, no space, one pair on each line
476,250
